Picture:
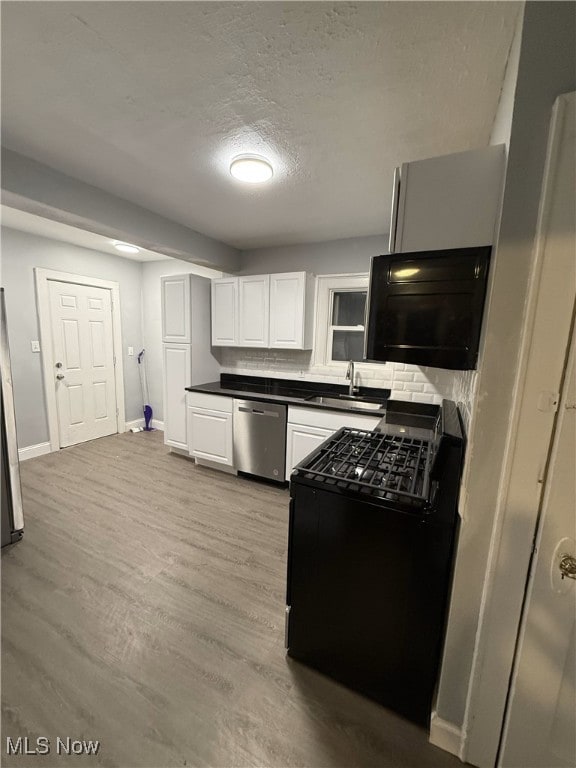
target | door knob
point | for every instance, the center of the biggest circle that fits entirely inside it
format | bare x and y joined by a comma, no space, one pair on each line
567,566
59,376
58,365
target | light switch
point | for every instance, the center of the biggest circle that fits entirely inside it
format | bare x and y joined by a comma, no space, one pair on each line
35,346
130,351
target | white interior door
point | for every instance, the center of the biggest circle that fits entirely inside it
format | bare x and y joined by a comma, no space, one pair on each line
83,357
540,731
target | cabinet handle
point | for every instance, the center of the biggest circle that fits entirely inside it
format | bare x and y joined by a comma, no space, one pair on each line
394,213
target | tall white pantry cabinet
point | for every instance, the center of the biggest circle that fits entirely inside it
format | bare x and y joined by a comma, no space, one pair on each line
187,357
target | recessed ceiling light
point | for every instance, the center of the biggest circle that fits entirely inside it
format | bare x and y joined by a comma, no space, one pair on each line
252,169
125,247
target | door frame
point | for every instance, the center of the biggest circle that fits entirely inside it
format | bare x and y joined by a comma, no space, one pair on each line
506,577
42,278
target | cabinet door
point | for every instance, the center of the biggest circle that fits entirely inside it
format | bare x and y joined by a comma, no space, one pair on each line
175,292
449,202
177,373
210,435
287,307
254,307
300,441
225,312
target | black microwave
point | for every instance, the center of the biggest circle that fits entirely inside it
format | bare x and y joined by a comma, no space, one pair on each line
426,307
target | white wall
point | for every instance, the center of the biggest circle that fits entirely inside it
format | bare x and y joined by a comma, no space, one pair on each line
21,252
152,271
545,70
465,382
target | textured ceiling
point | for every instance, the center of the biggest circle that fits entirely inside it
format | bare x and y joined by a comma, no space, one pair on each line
150,101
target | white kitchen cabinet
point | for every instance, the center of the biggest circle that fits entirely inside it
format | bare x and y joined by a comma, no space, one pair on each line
447,202
266,311
210,425
186,351
177,376
176,308
300,441
291,310
225,312
308,427
254,310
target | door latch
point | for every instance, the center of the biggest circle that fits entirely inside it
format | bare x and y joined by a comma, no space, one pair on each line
567,566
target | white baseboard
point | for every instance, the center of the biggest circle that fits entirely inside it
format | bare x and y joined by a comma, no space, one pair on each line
159,425
32,451
445,735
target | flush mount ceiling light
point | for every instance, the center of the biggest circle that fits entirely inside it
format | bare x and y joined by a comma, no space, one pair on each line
125,247
253,169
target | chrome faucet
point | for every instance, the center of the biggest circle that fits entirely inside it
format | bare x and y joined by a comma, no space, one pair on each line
352,389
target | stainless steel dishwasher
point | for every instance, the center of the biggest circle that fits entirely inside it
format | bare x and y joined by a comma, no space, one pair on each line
260,438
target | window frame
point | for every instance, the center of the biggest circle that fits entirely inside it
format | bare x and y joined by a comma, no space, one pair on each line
326,287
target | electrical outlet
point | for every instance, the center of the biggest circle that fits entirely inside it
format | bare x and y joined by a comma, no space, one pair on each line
130,351
35,346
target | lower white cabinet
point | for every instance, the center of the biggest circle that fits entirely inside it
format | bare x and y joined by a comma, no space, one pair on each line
300,441
211,437
209,422
177,364
309,427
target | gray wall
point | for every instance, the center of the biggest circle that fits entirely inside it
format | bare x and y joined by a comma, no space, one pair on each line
21,252
330,257
152,271
31,186
546,70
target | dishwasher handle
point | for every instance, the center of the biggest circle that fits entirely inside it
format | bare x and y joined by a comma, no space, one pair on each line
258,411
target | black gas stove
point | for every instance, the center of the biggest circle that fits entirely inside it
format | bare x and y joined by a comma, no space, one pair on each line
392,468
373,520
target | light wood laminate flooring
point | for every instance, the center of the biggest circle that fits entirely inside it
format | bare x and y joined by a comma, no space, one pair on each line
144,608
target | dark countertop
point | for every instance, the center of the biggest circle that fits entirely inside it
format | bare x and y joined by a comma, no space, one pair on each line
289,392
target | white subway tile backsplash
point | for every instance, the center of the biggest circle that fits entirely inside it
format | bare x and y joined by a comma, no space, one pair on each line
422,398
407,382
403,376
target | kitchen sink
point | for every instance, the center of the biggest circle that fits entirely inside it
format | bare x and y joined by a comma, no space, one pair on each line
346,401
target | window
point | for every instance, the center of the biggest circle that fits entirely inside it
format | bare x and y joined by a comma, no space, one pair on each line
340,319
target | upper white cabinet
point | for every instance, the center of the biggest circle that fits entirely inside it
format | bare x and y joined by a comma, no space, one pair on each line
447,202
271,311
225,312
176,309
291,325
254,310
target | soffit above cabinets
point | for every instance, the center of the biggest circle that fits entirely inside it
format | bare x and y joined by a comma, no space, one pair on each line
150,101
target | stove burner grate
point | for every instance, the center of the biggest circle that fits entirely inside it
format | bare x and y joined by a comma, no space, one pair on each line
383,466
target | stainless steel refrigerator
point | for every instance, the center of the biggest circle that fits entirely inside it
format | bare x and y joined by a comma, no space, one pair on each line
12,517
